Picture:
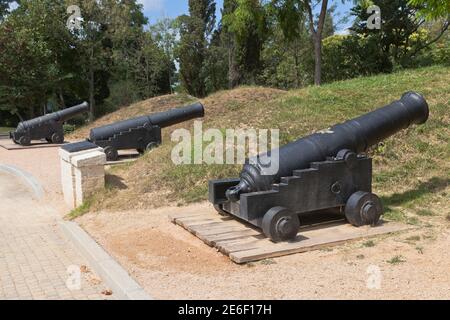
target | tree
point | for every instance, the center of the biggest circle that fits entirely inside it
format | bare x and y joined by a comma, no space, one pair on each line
42,60
432,9
400,21
293,10
107,41
195,31
164,33
4,7
216,64
244,32
33,47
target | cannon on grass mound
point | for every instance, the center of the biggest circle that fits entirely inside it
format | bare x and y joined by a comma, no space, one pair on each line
322,172
48,127
142,133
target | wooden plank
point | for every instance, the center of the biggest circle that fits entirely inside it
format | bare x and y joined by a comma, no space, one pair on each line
234,235
188,222
317,239
213,240
243,243
225,222
322,225
216,230
173,217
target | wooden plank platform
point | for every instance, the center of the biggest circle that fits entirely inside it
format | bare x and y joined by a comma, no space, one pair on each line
242,243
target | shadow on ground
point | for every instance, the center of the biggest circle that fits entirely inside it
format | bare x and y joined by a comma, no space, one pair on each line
435,184
115,182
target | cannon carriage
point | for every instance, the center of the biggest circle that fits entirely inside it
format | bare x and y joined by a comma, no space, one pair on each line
48,127
142,133
325,171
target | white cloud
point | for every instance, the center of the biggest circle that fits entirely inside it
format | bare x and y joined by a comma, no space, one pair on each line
13,6
152,5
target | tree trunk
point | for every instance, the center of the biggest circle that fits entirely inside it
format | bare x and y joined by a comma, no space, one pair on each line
91,94
316,35
297,64
61,98
317,60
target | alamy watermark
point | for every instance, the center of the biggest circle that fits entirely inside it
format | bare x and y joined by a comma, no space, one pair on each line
73,281
375,277
230,146
374,20
74,20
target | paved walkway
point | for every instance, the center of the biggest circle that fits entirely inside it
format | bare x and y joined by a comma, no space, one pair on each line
36,260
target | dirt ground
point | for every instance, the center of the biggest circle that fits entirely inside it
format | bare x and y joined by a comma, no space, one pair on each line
170,263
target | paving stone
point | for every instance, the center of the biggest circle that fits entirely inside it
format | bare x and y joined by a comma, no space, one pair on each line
35,255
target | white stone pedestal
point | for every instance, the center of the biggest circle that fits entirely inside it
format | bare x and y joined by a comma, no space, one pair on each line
82,174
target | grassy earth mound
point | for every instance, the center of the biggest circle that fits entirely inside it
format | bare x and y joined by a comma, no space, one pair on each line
412,168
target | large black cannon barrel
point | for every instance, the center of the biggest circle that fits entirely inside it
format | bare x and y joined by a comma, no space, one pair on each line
356,135
59,116
161,119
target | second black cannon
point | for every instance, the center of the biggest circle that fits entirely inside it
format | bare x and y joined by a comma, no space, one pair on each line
141,133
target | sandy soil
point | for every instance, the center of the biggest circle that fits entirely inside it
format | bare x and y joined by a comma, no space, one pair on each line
170,263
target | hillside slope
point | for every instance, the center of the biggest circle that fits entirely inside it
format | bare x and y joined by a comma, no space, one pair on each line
412,169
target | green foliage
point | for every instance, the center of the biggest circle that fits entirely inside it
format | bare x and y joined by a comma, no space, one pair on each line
80,211
245,31
432,9
441,50
396,260
32,48
68,128
195,30
111,60
4,7
369,244
404,39
287,63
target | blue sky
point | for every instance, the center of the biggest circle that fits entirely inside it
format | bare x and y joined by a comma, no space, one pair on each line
156,9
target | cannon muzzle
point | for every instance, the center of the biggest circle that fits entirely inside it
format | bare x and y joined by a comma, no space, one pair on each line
356,135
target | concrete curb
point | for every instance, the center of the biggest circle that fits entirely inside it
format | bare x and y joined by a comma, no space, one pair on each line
25,176
114,275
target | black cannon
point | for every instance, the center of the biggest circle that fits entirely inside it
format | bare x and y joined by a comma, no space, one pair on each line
48,127
142,133
322,172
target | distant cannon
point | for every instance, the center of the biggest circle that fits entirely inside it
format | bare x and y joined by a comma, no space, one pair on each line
142,133
49,126
324,171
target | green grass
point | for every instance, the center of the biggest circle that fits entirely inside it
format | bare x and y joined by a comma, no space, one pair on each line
5,129
425,213
369,244
413,238
396,260
411,169
80,211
